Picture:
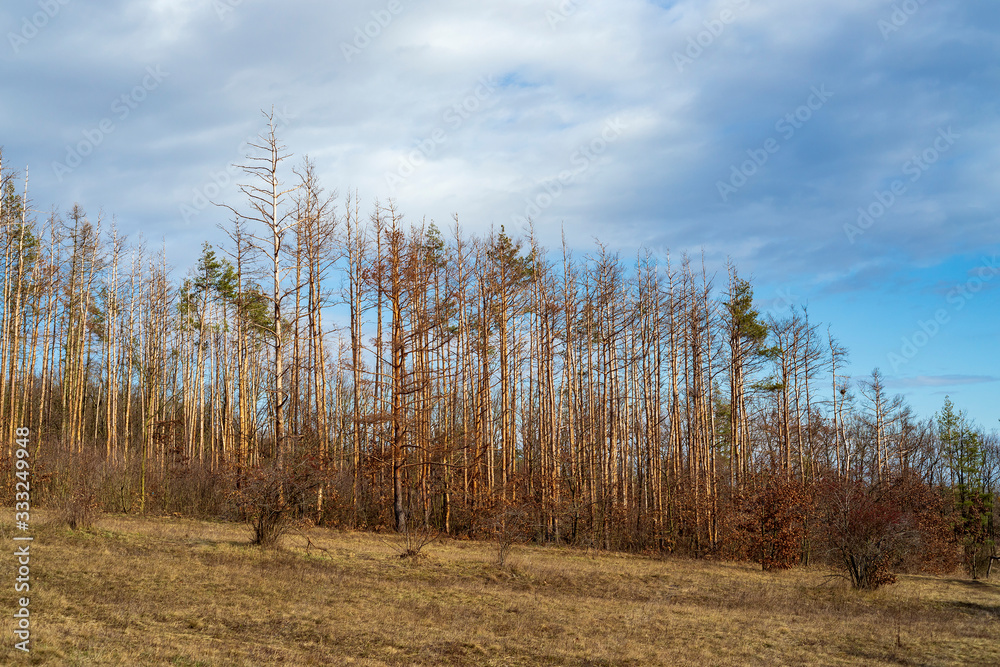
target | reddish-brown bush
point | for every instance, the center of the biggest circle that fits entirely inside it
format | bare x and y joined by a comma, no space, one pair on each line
770,519
865,529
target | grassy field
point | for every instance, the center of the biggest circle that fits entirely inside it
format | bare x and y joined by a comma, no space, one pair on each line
170,591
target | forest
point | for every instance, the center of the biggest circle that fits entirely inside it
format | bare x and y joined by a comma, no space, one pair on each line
343,366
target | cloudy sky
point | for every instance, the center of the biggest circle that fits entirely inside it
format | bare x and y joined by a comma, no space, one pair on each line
843,153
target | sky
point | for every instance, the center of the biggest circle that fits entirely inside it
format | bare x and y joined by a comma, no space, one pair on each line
844,154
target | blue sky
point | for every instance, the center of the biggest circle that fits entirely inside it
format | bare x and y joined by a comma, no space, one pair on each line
843,153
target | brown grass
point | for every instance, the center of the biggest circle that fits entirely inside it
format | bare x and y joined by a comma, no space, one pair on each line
170,591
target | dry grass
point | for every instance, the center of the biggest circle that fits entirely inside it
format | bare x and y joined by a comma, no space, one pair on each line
148,591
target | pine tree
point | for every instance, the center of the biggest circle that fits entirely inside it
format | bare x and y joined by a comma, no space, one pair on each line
962,450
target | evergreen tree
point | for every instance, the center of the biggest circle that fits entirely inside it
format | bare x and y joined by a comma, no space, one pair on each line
963,452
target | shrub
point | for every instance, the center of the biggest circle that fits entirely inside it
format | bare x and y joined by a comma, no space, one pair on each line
772,514
195,490
81,483
932,548
78,510
414,541
269,497
864,530
511,526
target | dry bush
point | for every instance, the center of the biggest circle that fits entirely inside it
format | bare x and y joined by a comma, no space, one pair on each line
370,509
687,531
511,525
337,510
79,483
933,547
195,490
770,520
266,510
78,510
270,498
865,530
414,541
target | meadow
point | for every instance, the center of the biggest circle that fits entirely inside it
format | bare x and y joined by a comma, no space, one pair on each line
136,590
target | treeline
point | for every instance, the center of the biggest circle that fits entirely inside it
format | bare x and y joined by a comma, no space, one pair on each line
409,377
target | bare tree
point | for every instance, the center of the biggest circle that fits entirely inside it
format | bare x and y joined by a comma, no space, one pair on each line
266,199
